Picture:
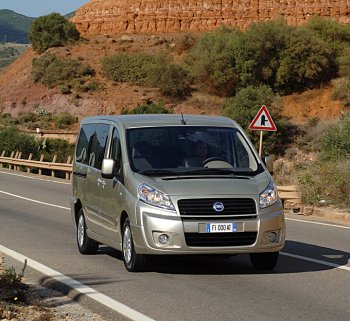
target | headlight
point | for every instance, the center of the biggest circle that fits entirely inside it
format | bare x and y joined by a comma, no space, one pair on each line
152,196
269,196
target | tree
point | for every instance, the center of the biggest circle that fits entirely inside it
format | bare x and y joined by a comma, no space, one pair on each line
52,30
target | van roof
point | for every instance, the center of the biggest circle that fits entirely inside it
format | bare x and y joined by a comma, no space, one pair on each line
155,120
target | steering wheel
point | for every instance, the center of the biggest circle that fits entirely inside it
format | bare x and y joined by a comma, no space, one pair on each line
212,159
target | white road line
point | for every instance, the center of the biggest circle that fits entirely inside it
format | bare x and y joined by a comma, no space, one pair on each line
35,178
309,259
35,201
318,223
80,287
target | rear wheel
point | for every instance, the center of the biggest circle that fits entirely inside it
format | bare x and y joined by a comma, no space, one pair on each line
133,262
86,245
264,261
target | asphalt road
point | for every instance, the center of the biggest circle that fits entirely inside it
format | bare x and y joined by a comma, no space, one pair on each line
311,280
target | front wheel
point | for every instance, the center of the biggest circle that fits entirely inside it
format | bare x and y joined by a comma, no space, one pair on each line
264,261
133,262
86,245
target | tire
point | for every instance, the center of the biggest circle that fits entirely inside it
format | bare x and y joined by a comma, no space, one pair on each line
264,261
133,262
86,245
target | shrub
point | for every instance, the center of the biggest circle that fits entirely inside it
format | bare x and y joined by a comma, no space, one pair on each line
52,30
341,90
336,143
336,35
259,51
66,74
173,80
59,147
306,63
148,70
325,183
246,103
243,108
212,61
149,108
64,120
13,140
134,68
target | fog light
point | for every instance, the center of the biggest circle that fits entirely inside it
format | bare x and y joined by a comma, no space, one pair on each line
272,236
163,239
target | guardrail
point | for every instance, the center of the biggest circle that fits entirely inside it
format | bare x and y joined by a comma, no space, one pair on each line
15,162
289,194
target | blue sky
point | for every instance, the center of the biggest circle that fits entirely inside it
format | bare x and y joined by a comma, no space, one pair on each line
36,8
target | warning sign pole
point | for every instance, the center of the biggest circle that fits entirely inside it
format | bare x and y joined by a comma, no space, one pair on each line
260,144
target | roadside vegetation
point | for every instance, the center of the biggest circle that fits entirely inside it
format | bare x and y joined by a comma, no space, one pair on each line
325,180
12,140
245,69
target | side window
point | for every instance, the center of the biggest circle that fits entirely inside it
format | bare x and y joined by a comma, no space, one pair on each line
82,151
98,144
115,147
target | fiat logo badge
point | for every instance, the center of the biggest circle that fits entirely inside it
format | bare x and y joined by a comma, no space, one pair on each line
218,207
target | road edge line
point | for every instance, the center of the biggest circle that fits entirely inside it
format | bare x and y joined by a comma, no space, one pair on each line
78,286
309,259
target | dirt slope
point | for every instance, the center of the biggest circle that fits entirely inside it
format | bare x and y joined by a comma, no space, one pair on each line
19,93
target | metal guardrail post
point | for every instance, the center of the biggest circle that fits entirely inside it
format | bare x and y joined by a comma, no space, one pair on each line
29,158
41,160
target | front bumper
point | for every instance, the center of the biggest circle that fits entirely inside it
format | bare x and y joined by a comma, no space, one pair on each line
181,233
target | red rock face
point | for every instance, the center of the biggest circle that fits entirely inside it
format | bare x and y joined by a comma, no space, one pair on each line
111,17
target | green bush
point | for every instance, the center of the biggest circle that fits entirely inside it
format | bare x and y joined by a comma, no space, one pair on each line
259,51
66,74
173,80
148,70
64,120
326,183
135,68
336,35
150,108
306,63
336,143
52,30
13,140
59,147
212,61
245,105
341,90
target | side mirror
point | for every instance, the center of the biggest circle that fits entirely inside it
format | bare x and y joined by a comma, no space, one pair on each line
108,168
268,163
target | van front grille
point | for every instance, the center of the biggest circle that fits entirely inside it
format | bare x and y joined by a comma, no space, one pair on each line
220,239
205,207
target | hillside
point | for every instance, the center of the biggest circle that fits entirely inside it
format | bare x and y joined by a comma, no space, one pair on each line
14,27
19,93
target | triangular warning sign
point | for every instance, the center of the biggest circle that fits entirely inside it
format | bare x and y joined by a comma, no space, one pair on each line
263,121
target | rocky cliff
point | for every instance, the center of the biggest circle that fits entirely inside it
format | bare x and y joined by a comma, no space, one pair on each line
156,16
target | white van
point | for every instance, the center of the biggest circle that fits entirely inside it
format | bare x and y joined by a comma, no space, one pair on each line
173,184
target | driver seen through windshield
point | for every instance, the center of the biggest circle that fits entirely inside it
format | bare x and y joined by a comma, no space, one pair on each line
189,147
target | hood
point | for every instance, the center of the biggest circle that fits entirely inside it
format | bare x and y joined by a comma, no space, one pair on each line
208,185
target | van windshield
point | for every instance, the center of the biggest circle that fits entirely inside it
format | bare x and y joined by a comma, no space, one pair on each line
190,150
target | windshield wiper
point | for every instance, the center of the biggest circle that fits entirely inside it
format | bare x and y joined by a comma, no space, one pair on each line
211,171
158,172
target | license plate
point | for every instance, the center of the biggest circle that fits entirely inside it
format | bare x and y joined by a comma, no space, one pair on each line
221,227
